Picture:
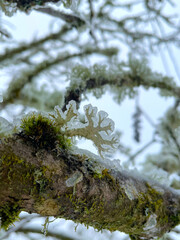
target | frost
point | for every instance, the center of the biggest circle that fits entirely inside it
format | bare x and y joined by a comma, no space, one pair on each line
72,4
97,127
116,165
157,174
40,99
151,223
130,189
74,179
8,8
5,127
120,78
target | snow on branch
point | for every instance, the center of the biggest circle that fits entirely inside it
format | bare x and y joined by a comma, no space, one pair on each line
97,127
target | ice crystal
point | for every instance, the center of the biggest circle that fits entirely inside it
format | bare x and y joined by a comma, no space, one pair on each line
72,4
151,223
130,189
74,179
97,127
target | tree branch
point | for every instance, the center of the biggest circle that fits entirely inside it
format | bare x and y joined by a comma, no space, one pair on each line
83,188
73,20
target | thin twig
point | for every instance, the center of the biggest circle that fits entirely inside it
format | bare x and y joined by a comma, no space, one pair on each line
18,226
75,21
169,50
60,236
132,157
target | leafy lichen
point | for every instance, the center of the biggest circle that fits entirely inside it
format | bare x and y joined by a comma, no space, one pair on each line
97,127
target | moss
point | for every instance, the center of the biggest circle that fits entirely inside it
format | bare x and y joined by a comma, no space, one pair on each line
24,178
42,133
29,173
9,213
87,210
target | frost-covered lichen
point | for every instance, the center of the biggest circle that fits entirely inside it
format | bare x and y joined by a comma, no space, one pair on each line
97,127
73,180
8,7
151,223
40,99
72,4
130,189
6,127
123,78
169,155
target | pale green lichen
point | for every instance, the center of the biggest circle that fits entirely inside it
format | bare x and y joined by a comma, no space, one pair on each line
130,189
151,223
97,127
122,78
73,180
169,131
72,4
6,128
41,98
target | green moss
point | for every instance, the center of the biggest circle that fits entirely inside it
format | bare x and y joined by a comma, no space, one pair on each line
9,213
42,133
24,178
29,173
88,210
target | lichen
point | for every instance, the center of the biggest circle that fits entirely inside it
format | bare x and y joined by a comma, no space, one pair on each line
73,180
97,127
121,78
6,128
130,189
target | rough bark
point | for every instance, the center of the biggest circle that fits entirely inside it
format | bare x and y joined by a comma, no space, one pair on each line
73,186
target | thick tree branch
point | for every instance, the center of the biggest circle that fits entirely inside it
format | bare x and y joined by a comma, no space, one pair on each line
80,187
35,44
16,85
121,81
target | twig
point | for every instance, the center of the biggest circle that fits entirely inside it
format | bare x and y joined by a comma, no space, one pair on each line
18,226
169,50
71,19
142,149
60,236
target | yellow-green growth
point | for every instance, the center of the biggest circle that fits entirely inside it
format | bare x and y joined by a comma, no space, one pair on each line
31,179
42,133
9,213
